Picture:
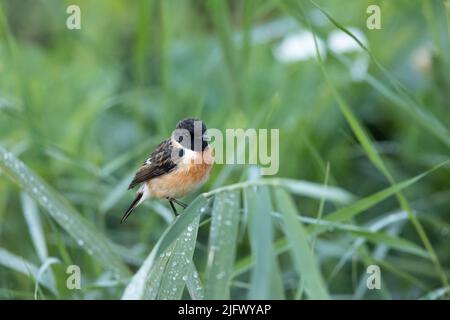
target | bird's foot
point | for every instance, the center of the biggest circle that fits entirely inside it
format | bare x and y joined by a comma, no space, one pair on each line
181,204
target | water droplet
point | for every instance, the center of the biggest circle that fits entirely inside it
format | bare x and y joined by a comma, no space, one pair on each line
168,253
190,228
80,242
185,278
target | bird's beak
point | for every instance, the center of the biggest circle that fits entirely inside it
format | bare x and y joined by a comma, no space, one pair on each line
206,138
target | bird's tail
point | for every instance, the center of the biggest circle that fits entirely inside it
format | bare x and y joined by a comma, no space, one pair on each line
137,201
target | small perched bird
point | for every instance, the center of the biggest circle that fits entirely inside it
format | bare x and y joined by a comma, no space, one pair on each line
179,165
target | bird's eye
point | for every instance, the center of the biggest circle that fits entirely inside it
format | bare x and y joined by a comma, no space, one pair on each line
181,153
180,138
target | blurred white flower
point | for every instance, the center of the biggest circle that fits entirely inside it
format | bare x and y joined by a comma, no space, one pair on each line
421,59
359,68
298,46
340,42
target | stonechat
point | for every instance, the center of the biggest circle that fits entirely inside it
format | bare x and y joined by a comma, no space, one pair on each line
179,165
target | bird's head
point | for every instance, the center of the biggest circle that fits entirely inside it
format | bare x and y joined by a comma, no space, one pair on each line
191,134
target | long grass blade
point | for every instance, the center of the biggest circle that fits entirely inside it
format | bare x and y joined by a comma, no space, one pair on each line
92,241
260,234
300,249
31,214
18,264
222,245
179,264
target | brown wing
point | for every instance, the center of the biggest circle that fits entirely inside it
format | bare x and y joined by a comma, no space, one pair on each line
159,163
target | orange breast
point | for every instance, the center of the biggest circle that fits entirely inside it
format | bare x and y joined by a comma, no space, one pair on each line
184,179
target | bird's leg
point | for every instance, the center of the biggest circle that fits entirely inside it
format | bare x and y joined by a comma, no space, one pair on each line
178,202
173,207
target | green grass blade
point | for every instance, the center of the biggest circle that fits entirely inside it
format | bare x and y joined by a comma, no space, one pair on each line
246,263
194,285
18,264
260,235
179,265
299,187
303,257
374,236
31,214
371,151
63,213
198,207
436,294
220,15
163,276
146,281
42,271
365,140
363,204
222,245
393,242
408,104
317,191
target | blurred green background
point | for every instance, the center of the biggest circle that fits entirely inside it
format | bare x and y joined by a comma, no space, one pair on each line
83,108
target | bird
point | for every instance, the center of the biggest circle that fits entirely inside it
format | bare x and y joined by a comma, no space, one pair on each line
179,165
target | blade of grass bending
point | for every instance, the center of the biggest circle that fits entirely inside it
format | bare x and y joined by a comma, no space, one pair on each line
63,213
222,245
45,266
304,259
